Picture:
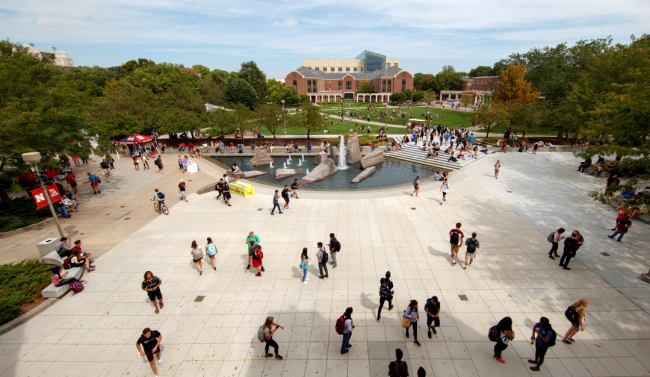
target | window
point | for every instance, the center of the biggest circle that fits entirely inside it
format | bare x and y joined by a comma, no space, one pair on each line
295,83
294,74
396,64
348,85
347,69
389,89
308,86
387,65
355,69
403,84
324,69
357,84
383,85
340,69
361,69
332,69
339,85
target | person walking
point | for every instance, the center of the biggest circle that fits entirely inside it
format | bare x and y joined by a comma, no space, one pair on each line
570,247
398,368
472,245
411,312
304,265
219,188
255,239
182,190
211,250
257,258
348,326
151,285
136,162
575,314
294,188
544,333
197,256
322,256
386,292
555,238
94,183
226,193
106,167
432,308
416,186
444,189
145,163
275,203
455,239
268,336
150,341
497,167
160,165
621,228
505,334
180,160
285,196
72,181
335,247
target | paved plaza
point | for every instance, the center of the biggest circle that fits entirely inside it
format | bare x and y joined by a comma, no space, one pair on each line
94,333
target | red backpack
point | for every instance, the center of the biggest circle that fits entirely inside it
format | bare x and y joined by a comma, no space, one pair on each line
340,325
66,263
257,252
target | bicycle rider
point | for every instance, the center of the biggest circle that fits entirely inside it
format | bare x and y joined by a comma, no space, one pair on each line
160,197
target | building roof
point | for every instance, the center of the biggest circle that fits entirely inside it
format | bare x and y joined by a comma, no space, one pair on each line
385,73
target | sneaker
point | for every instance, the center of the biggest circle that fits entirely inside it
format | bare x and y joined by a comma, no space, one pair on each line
391,307
200,272
571,339
95,193
215,268
304,282
83,280
464,267
550,256
453,263
231,206
321,277
378,317
278,357
434,331
263,270
429,334
327,276
501,360
160,362
258,274
566,268
417,343
272,214
344,352
348,346
268,355
281,212
566,341
249,267
307,279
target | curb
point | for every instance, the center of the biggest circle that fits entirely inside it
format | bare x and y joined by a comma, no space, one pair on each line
27,316
26,228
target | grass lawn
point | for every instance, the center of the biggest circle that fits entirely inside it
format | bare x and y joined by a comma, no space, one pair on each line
451,118
20,284
338,129
499,130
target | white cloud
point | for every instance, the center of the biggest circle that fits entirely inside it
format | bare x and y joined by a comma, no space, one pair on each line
286,23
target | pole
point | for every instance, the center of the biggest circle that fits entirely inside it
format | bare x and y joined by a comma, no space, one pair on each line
49,202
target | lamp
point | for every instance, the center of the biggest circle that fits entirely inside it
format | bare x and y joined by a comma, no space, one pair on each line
282,104
33,158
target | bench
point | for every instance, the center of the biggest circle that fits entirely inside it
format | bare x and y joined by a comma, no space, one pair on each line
54,259
55,292
617,202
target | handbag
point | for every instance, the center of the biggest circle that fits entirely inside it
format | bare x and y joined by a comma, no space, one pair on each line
406,322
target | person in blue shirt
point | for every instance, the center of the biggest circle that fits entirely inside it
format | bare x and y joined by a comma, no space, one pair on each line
471,138
544,333
94,183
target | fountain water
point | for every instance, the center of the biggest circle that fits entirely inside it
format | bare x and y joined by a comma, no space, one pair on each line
299,162
342,163
289,157
285,165
303,157
271,164
289,161
307,171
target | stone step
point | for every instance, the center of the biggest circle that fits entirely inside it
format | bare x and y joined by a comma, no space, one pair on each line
412,153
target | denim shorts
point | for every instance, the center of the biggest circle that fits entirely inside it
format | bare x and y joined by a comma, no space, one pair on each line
575,324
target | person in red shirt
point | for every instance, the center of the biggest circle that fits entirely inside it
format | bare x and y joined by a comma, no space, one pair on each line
72,181
455,239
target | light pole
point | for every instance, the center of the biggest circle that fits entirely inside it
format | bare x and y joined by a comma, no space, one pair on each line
33,158
282,104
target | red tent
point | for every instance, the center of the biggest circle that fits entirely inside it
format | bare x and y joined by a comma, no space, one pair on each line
134,139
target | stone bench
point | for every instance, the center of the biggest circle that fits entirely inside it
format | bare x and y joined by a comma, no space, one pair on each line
54,259
55,292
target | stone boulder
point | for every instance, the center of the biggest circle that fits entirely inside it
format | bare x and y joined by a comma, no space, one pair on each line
364,174
352,152
372,159
209,188
230,174
286,173
255,173
261,158
325,169
322,156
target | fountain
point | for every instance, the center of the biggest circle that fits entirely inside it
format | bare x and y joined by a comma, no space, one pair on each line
299,162
307,171
342,164
285,165
303,157
289,161
289,157
271,164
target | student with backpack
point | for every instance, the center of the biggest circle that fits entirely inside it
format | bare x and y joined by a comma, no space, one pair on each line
385,293
555,238
545,339
211,250
304,265
257,258
575,314
621,228
265,335
151,285
335,247
398,368
322,256
59,279
344,326
251,237
62,248
455,239
502,334
197,256
472,245
570,247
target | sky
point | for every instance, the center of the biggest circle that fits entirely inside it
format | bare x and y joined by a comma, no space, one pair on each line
423,35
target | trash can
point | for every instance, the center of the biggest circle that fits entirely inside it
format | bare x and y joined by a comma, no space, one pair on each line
47,246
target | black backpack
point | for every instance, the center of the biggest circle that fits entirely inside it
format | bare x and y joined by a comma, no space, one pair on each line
325,257
454,237
384,292
161,196
551,342
471,245
571,314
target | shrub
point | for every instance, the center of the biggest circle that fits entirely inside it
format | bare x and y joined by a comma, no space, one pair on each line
20,283
20,213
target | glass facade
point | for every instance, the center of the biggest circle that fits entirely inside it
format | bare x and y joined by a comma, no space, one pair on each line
373,61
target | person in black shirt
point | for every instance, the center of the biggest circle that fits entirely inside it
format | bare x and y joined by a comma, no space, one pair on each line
150,341
335,247
294,188
219,188
285,196
226,193
151,285
613,180
432,308
398,368
385,294
62,249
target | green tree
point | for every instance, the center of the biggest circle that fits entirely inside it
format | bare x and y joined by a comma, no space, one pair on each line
490,115
398,97
204,70
427,82
408,94
418,96
167,120
270,117
481,70
221,77
366,87
448,69
211,92
239,91
308,118
220,121
256,78
448,80
304,98
467,99
160,77
417,78
129,67
93,79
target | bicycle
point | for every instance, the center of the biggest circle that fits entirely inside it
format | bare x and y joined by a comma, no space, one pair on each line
159,206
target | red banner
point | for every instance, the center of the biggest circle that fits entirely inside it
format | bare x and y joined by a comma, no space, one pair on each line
39,197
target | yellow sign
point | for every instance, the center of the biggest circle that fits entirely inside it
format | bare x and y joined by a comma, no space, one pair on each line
243,189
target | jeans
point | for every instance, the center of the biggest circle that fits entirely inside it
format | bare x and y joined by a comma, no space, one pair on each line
381,304
415,330
566,258
539,354
346,342
275,204
66,281
271,343
333,255
499,347
321,266
64,213
304,274
220,193
553,249
618,232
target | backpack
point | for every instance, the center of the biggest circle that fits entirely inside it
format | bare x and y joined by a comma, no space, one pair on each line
551,342
197,254
471,245
551,237
325,257
454,238
66,263
257,252
76,287
161,196
337,245
493,334
570,244
571,314
260,334
212,250
399,370
99,180
340,325
383,289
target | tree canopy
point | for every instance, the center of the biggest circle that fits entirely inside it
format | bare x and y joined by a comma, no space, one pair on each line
254,76
239,91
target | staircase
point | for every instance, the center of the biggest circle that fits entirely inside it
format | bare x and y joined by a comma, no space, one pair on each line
413,154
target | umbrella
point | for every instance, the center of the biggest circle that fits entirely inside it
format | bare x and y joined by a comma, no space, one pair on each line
134,139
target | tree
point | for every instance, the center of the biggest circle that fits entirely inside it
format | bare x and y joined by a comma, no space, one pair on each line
167,120
448,69
129,67
398,97
416,79
481,71
514,87
239,91
308,118
93,79
366,87
270,117
418,96
490,115
204,70
211,92
427,82
408,94
448,80
222,121
467,99
256,78
304,98
221,77
160,77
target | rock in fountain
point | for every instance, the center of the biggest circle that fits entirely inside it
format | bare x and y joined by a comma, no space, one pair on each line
353,154
373,158
322,156
364,174
285,173
326,169
261,158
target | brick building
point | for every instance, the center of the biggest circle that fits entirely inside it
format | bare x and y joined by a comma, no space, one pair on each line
478,87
